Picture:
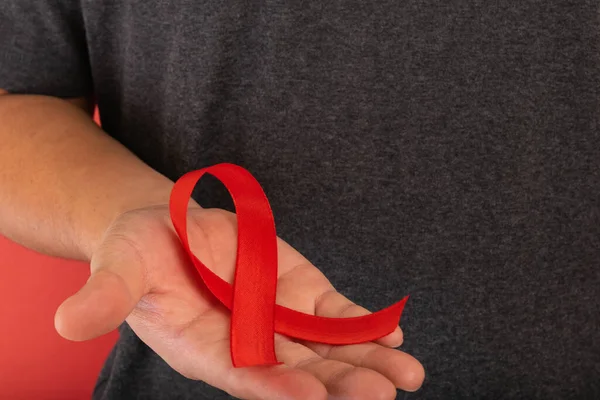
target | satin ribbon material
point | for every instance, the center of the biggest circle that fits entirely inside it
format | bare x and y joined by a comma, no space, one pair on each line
255,316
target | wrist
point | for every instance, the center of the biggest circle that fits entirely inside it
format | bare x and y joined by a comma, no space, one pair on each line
144,194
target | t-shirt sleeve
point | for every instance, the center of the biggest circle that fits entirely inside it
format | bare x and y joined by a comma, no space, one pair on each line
43,48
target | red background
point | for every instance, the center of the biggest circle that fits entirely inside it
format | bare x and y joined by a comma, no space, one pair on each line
35,362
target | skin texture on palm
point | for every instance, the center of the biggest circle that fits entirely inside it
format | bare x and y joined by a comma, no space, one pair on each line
141,274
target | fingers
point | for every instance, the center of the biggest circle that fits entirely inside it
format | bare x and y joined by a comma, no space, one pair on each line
303,287
333,304
111,293
342,380
403,370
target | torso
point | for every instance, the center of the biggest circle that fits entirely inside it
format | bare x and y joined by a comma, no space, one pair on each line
445,150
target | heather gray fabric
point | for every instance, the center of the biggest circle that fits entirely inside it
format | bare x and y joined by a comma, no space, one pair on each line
449,150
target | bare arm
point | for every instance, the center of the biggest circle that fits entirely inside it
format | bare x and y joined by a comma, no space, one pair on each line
62,179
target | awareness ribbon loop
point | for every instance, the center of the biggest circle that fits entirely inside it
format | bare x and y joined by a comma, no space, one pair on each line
255,316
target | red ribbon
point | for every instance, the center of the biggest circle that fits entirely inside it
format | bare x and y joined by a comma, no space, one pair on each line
254,315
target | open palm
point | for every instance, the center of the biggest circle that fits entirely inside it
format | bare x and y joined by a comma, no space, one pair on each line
141,274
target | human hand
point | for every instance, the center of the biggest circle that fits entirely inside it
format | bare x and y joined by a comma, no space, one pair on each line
141,274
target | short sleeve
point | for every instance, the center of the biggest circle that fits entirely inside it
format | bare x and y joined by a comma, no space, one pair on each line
43,48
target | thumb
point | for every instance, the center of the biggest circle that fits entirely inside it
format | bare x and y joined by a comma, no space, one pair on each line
108,297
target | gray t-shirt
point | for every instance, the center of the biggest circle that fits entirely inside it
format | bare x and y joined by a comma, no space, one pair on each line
449,150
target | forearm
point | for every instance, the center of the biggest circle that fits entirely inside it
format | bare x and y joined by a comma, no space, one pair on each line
63,180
